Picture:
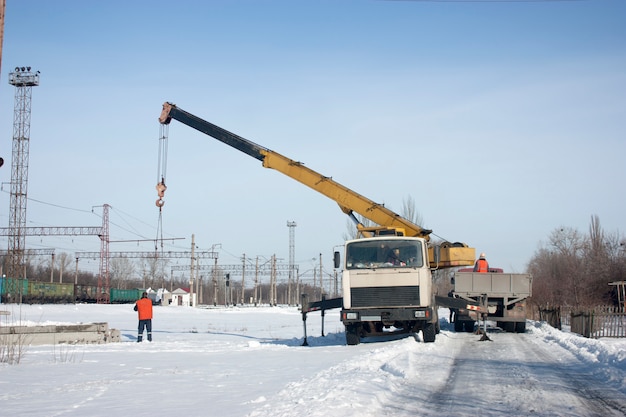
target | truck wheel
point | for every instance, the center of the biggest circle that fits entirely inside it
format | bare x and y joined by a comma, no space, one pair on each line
520,327
458,326
429,333
469,326
508,326
352,335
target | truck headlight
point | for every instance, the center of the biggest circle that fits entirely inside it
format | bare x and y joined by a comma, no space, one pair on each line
420,314
352,316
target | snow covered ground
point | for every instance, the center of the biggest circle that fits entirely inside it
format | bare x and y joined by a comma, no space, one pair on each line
250,362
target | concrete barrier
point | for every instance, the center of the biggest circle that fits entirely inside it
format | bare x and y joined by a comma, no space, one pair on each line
97,333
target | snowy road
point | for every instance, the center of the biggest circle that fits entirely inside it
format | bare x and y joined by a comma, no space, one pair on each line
514,374
250,362
523,375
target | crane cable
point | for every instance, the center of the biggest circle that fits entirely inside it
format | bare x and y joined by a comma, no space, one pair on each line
160,187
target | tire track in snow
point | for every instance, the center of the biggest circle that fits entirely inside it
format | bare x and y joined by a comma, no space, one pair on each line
519,375
515,374
597,397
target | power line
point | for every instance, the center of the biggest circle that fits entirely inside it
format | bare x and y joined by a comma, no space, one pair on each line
491,1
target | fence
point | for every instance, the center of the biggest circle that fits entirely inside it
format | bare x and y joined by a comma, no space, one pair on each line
603,321
550,315
596,322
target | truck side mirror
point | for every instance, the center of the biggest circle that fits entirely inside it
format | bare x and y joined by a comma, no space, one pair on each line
436,254
337,259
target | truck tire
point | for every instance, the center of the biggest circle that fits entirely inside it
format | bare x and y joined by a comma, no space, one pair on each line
429,333
508,326
458,326
520,327
469,326
352,335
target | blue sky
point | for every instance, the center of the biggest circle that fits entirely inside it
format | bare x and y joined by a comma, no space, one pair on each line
502,120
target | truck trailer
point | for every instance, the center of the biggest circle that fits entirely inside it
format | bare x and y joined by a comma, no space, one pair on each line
501,297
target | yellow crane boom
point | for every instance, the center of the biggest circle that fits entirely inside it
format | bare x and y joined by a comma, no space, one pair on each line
349,201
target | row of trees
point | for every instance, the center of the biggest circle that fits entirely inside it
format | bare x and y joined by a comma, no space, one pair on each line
574,269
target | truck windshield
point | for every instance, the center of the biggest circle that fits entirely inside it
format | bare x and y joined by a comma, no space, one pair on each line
384,254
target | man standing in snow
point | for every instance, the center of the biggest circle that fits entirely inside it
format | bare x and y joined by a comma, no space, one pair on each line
143,307
453,311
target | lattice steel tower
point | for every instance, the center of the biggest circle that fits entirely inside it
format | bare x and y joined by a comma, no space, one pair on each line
24,80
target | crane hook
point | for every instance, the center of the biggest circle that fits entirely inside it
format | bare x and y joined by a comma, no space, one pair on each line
160,187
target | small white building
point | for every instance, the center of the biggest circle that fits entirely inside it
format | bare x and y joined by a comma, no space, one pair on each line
181,297
159,296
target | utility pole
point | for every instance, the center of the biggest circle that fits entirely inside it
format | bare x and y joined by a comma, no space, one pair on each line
214,276
321,278
243,278
292,256
256,282
3,4
191,273
198,283
273,283
52,269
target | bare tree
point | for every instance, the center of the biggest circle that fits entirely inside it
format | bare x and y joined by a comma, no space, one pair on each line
154,272
121,271
574,269
351,228
63,261
409,212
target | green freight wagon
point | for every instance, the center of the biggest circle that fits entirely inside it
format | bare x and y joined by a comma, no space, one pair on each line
120,296
49,292
13,289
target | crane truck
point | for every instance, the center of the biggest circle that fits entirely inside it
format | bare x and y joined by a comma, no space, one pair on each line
386,279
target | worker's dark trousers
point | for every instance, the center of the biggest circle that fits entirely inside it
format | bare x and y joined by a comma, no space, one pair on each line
147,324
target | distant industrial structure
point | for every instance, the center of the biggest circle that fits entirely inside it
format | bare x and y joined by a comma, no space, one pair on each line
23,79
15,266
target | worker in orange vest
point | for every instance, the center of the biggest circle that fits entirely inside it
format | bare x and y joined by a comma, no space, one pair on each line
143,307
481,264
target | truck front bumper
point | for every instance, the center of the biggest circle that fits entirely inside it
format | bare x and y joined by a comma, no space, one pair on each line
387,316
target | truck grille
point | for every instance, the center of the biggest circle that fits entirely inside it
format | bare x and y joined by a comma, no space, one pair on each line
385,296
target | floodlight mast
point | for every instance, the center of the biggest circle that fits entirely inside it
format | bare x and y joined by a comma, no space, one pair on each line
23,79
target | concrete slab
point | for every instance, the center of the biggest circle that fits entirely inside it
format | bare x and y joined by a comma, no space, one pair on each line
97,333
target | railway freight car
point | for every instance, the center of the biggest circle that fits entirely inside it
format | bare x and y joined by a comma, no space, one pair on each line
13,288
26,291
122,296
86,293
48,293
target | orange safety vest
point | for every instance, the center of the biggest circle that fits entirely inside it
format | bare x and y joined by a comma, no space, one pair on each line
144,308
481,266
